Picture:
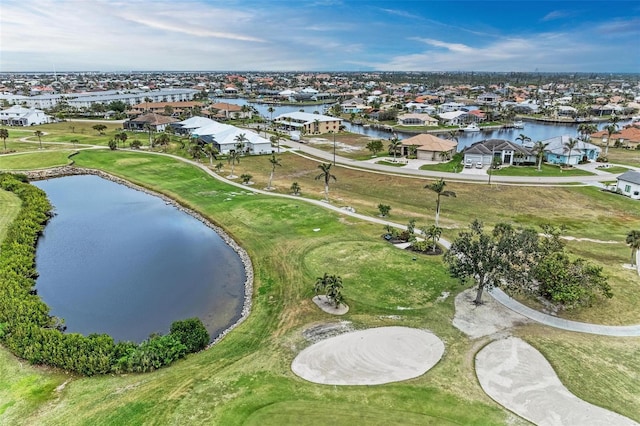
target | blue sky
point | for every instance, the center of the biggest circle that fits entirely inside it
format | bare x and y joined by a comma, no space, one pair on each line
317,35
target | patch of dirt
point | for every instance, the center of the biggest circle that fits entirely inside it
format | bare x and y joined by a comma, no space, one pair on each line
323,331
486,319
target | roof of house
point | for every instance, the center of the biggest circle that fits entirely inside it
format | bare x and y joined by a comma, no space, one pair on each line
557,145
491,146
423,117
451,115
226,106
427,142
631,176
630,133
306,117
155,119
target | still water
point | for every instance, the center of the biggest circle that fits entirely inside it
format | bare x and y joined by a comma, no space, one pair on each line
119,261
535,130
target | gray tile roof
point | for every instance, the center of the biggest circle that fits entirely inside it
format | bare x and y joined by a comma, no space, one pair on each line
631,176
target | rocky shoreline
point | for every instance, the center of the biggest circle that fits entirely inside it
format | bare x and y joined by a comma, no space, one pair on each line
244,256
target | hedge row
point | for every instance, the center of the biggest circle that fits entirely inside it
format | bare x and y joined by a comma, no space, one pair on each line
27,329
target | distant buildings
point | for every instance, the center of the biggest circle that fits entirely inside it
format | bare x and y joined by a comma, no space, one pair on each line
308,123
21,116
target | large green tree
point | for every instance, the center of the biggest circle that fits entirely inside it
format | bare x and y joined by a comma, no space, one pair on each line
326,176
570,283
438,187
504,258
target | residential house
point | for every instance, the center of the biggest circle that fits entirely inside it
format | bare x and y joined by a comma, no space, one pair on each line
308,123
417,120
429,147
629,184
450,106
224,110
558,153
456,118
21,116
353,105
153,121
628,136
160,107
223,136
488,98
504,152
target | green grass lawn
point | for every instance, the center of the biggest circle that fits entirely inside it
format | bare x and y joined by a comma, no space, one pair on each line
614,169
545,170
452,166
246,378
35,160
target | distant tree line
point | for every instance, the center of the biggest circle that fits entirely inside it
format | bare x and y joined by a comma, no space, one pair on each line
30,332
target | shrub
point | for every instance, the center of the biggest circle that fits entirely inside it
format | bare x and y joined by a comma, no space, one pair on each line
191,333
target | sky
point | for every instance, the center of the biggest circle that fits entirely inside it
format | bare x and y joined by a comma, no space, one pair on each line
320,35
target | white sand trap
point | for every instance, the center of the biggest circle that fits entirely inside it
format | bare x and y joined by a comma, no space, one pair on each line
370,357
518,377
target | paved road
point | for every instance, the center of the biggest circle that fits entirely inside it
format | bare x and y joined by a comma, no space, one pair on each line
473,178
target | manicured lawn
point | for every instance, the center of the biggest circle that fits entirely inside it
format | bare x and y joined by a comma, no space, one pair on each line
614,169
629,157
452,166
545,170
246,378
35,160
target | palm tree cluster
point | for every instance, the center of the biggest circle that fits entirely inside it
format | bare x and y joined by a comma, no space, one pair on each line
331,286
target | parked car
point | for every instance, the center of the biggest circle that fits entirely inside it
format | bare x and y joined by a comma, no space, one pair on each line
479,165
468,163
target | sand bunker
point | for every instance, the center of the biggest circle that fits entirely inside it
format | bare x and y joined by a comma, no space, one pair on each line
369,357
518,377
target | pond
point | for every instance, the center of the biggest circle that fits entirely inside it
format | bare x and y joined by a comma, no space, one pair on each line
120,261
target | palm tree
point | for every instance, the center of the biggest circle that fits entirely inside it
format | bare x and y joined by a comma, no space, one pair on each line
295,188
39,135
523,138
211,151
195,150
611,129
438,188
326,176
4,134
569,146
232,158
321,283
275,139
394,144
122,136
433,233
334,290
241,141
271,110
275,161
538,149
163,140
633,240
